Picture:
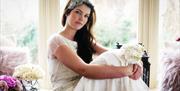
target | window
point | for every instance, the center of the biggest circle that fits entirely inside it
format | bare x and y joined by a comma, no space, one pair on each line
19,22
169,25
117,21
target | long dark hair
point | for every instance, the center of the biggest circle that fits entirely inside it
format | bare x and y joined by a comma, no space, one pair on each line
83,37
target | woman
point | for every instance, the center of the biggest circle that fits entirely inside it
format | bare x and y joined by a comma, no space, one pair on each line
70,51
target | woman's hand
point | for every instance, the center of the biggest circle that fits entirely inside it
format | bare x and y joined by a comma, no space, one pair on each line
130,70
137,72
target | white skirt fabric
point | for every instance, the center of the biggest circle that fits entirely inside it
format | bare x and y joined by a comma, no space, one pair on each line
118,84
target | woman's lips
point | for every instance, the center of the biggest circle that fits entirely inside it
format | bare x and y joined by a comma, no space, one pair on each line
79,23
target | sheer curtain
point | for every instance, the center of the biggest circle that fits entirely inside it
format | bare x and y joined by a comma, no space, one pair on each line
48,23
148,34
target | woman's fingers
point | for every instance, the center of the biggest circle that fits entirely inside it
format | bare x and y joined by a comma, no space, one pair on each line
135,68
137,72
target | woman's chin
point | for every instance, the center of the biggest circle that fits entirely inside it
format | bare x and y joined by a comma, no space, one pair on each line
78,27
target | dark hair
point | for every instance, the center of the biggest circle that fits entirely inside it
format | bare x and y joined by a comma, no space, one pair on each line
83,36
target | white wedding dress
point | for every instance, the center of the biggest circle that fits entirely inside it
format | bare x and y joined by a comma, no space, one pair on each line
64,79
118,84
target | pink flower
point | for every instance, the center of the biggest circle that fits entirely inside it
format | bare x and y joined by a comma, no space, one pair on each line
11,81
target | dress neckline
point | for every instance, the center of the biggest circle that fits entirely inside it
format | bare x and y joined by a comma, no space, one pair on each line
66,38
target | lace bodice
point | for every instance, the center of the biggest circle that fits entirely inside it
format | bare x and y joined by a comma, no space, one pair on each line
62,78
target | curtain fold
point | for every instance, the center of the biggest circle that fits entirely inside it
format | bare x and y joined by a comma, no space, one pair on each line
48,24
148,33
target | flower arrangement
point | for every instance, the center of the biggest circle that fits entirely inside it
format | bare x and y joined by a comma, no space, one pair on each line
28,72
132,52
10,83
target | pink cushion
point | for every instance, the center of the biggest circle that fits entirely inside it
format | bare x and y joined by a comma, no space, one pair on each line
10,57
170,76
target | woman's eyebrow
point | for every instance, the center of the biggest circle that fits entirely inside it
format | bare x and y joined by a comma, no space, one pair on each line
82,11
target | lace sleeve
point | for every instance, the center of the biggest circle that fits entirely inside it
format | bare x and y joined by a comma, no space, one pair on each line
53,43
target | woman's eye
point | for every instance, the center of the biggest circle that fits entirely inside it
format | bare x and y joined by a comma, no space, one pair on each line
86,16
78,12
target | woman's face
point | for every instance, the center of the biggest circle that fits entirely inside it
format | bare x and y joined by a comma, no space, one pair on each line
78,17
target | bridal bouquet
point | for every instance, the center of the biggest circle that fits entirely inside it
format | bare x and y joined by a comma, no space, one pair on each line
28,72
132,52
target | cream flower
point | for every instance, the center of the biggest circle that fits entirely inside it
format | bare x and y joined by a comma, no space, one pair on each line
28,72
132,52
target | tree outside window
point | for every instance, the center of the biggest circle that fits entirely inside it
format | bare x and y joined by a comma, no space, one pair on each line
18,22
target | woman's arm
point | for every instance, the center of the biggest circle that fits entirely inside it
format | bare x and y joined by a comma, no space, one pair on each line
95,71
137,70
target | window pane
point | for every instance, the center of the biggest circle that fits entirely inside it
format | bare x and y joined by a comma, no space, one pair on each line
169,21
19,23
117,21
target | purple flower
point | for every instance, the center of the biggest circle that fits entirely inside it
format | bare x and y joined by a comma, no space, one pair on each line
11,81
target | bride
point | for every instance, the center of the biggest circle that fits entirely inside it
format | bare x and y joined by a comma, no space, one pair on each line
70,52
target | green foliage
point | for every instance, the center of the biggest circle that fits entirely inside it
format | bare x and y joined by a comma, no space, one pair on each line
109,36
29,39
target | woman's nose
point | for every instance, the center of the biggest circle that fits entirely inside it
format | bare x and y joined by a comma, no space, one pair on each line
81,18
